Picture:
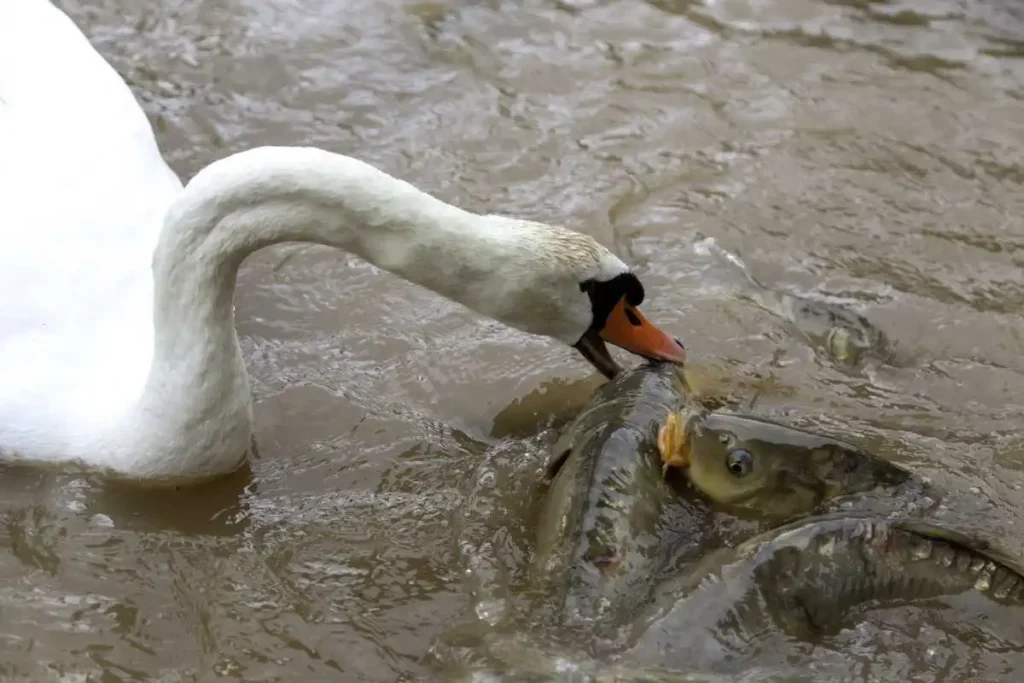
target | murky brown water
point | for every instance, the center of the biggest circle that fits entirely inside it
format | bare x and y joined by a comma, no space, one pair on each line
871,151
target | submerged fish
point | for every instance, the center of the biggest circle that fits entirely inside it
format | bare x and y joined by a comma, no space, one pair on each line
813,577
843,334
597,528
749,464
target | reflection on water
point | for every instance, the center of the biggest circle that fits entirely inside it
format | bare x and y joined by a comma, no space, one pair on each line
868,152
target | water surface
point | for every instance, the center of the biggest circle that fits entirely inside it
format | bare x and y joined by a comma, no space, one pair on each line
866,152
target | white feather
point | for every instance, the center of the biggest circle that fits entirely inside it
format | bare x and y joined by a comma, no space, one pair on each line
117,341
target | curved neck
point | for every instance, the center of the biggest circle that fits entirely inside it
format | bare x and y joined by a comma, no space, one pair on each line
268,195
197,383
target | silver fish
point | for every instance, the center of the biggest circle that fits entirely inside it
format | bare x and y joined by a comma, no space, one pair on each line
751,466
809,578
597,530
844,335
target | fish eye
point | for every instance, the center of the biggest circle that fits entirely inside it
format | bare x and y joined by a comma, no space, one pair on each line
739,462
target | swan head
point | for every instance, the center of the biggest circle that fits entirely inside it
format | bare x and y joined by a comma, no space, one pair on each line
571,288
614,294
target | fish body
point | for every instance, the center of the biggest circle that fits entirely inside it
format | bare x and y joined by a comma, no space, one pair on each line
597,530
749,465
845,336
810,578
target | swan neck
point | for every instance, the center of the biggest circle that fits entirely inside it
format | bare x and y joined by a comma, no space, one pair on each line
270,195
196,401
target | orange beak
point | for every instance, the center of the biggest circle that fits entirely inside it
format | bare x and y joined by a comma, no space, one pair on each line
627,328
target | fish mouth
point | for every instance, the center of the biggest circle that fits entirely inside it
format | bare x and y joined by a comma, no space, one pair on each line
674,441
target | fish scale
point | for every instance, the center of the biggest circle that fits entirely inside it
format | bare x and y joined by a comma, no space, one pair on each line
806,580
885,583
598,537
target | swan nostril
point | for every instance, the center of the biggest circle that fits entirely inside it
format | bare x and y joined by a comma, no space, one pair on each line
633,319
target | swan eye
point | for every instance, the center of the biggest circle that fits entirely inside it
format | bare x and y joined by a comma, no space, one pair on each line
739,462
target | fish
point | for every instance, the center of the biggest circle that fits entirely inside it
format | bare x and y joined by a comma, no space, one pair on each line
845,336
750,466
810,578
597,535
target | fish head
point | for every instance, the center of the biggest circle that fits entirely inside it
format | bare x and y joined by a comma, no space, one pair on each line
744,473
851,337
847,336
770,470
842,343
848,344
756,468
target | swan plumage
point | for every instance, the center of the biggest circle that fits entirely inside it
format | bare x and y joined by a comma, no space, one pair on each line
117,340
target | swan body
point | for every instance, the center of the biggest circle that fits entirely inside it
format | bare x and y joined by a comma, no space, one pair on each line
118,348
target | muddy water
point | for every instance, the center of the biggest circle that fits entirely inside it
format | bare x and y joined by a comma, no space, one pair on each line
868,152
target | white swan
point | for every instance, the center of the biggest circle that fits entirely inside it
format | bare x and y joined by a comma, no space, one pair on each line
117,341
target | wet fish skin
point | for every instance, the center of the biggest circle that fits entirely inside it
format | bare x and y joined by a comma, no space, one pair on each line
751,465
845,336
597,529
807,579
